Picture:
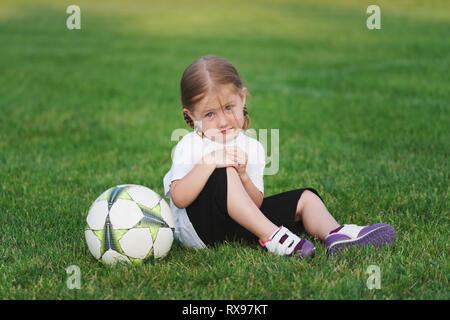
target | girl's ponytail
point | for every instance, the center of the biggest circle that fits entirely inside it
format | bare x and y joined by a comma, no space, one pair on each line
246,119
188,120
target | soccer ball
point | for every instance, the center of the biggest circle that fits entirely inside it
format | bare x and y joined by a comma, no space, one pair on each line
129,223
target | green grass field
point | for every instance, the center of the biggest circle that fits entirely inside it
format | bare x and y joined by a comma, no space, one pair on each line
363,117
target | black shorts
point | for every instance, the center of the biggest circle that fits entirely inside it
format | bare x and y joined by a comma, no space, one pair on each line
209,215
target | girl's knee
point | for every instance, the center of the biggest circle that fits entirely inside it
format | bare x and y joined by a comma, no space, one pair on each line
231,171
306,197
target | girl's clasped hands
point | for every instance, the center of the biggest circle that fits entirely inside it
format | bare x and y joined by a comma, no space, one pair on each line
228,156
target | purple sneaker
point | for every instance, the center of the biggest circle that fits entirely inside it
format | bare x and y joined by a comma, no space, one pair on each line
349,235
284,243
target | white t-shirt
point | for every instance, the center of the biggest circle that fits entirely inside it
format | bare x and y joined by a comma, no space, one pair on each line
188,152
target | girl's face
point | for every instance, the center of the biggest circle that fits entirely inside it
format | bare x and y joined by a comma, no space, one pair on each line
220,114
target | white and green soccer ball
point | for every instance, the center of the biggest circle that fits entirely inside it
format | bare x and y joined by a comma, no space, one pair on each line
129,223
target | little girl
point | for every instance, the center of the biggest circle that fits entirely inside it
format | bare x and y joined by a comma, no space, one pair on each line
215,184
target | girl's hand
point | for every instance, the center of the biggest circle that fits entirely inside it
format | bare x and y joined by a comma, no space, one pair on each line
220,158
240,159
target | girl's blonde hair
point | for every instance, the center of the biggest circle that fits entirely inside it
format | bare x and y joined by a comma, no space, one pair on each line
203,75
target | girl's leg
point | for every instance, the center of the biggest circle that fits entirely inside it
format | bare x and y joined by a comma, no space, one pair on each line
316,219
243,210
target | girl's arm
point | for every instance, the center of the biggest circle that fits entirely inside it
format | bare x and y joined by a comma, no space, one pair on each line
255,194
185,190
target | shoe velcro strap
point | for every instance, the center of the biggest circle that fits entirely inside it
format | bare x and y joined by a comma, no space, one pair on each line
288,245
